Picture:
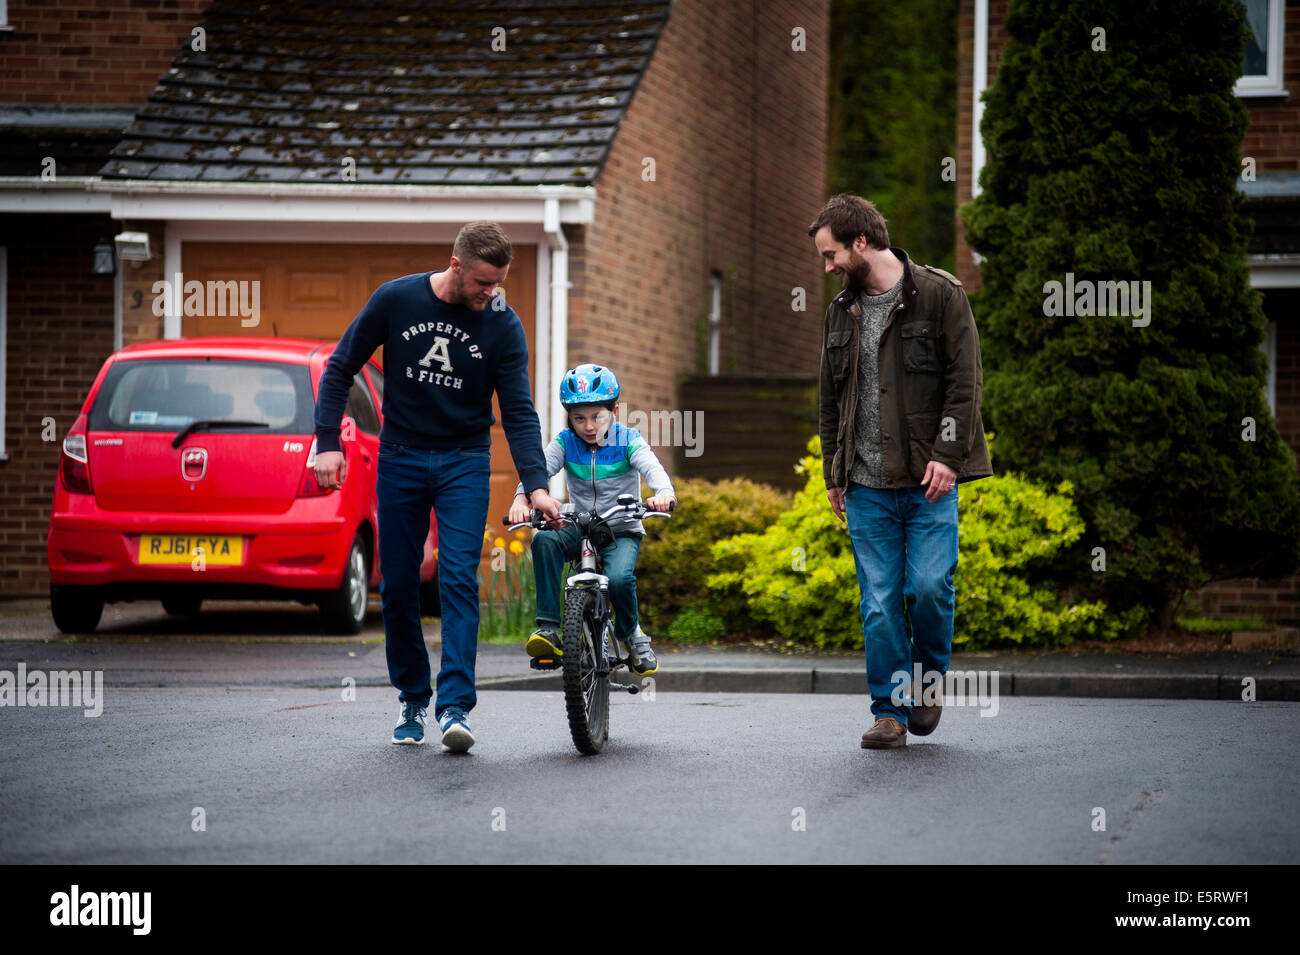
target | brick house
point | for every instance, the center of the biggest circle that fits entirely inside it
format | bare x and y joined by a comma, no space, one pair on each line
1270,91
655,163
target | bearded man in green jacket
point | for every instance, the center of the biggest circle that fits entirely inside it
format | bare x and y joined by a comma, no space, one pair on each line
900,426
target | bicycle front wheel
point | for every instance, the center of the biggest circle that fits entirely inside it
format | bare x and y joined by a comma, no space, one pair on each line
586,692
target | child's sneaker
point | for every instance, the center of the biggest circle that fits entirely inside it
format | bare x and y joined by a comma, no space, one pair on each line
456,737
410,725
644,661
545,642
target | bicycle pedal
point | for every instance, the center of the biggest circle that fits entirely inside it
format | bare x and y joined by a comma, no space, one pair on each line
544,663
631,688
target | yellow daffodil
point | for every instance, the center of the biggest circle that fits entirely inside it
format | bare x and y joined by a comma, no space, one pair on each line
499,542
516,547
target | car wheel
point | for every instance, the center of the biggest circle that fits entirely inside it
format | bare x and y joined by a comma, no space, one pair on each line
76,609
430,599
182,606
345,609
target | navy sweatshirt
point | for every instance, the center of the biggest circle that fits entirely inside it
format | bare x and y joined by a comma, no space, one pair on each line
442,363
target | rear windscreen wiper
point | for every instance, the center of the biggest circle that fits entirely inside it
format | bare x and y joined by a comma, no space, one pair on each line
213,425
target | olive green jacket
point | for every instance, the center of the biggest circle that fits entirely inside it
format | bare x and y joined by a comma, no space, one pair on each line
931,382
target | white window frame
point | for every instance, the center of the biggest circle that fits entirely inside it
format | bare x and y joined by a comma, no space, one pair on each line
4,15
715,323
1269,347
1271,83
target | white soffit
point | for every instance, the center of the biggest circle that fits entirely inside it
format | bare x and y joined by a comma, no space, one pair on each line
69,194
260,202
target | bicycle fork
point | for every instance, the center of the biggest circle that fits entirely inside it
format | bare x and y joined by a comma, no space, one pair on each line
606,645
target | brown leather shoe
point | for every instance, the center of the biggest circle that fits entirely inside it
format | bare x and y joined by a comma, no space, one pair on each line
924,719
887,733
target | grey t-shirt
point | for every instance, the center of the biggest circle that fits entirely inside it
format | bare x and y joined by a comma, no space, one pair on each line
869,461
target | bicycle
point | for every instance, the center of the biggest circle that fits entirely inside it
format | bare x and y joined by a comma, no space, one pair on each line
591,650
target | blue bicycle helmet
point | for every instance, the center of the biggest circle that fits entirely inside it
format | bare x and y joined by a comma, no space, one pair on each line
588,385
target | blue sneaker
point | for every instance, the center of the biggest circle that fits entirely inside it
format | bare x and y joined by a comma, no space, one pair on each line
456,737
410,725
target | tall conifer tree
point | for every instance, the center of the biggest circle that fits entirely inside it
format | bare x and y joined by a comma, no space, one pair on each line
1113,155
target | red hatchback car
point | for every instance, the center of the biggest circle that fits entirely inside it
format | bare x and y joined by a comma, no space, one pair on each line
189,475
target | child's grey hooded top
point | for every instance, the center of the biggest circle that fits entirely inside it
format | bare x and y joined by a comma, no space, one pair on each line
597,474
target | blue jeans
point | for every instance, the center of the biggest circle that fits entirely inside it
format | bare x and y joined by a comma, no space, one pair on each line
550,551
455,483
905,549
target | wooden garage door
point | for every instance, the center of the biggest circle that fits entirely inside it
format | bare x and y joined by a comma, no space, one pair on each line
314,291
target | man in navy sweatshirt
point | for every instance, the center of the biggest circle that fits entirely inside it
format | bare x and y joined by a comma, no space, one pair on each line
447,347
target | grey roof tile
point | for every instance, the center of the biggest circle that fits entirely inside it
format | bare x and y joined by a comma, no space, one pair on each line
412,91
218,172
128,169
175,170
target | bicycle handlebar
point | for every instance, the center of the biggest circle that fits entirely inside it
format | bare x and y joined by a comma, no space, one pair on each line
538,521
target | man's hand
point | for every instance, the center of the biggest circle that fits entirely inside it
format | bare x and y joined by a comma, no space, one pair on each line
661,502
543,502
836,496
940,480
331,469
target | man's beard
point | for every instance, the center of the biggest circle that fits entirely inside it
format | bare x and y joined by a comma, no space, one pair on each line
856,275
458,288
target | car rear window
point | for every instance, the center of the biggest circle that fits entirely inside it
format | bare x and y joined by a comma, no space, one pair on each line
167,395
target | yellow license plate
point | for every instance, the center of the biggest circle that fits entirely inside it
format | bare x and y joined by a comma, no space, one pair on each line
220,550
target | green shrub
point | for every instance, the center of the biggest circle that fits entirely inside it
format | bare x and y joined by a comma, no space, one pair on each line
799,575
675,558
697,626
1230,625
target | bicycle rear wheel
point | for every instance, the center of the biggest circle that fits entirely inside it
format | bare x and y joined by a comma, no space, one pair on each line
586,692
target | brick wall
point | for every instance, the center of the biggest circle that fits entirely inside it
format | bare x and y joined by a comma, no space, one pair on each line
60,330
91,51
139,323
735,121
60,316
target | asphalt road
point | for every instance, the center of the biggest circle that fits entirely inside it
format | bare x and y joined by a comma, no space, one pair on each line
295,775
237,719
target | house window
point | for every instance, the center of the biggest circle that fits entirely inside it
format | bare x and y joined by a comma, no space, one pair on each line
715,323
1261,63
4,15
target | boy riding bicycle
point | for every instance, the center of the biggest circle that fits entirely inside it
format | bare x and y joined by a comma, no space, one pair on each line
601,459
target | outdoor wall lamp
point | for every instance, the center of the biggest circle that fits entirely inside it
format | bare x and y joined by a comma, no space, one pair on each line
133,246
104,264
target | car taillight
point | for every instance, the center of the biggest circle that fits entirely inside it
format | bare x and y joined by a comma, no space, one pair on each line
74,468
308,486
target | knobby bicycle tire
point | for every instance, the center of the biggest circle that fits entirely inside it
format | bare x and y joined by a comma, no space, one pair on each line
586,694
